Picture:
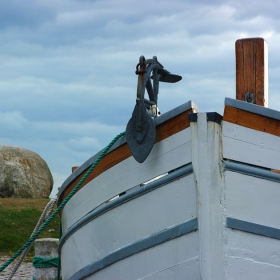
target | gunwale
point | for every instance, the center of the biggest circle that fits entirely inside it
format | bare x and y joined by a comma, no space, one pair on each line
167,124
252,116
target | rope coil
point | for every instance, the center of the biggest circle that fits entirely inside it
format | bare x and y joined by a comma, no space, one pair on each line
39,262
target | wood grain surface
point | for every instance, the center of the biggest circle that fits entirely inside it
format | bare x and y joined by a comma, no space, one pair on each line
251,69
251,120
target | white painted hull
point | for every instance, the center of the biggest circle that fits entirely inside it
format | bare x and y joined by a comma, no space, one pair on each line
211,216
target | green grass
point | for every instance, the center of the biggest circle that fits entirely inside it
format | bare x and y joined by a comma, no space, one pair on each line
18,219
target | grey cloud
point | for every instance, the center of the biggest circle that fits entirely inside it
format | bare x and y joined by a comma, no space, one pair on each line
247,10
12,121
67,77
24,14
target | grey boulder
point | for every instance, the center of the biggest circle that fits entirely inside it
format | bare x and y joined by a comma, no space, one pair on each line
23,174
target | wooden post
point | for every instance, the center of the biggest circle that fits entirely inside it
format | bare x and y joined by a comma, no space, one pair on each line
252,71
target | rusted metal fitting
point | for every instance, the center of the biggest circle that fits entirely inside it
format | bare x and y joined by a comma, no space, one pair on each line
140,70
250,97
142,65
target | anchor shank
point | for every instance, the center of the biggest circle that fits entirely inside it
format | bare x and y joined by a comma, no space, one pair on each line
140,103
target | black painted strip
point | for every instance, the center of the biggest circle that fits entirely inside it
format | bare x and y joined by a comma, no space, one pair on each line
174,175
214,117
211,117
253,228
251,170
192,117
253,108
134,248
159,120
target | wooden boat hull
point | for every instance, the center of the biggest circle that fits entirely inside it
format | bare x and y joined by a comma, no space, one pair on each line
202,206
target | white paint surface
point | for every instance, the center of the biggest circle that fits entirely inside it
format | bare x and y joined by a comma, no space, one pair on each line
252,199
250,146
250,256
148,214
166,155
206,156
175,259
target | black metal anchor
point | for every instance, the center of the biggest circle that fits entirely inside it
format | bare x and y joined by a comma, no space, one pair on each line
140,130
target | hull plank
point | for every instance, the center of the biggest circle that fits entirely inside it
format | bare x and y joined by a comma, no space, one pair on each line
250,146
168,261
167,155
251,120
169,127
131,222
250,256
252,199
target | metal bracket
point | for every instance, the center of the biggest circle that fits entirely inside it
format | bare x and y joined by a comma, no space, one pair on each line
250,97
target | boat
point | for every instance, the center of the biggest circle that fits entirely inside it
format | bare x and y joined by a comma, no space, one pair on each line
183,194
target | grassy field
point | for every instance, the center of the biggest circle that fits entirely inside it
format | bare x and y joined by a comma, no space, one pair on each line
18,219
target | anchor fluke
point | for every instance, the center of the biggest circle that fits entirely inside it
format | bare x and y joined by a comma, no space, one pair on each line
166,77
141,135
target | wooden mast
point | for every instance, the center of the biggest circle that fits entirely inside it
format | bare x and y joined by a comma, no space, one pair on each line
252,71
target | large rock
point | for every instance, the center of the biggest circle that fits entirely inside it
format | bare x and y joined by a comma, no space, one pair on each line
23,174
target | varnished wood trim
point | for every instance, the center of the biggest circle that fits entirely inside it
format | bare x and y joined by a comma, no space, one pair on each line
251,69
173,126
251,120
164,130
74,168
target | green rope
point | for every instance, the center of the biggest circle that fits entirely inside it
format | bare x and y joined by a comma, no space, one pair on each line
59,262
39,262
35,235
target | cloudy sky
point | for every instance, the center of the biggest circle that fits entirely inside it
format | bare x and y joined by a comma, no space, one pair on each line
67,67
